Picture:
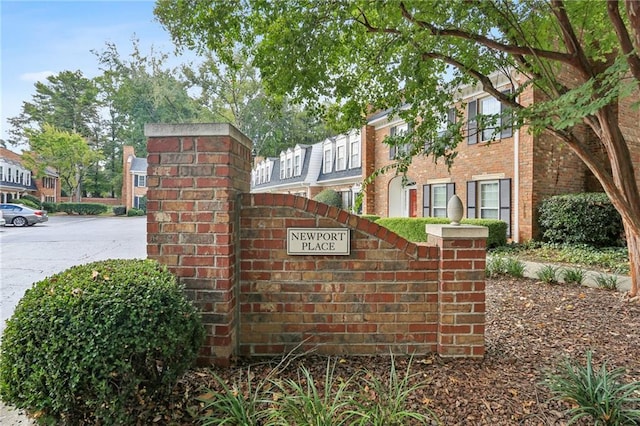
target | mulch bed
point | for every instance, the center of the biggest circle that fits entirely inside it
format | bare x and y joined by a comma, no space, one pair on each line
531,327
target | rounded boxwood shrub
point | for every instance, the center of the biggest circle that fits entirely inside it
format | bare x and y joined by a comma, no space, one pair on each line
587,218
329,196
97,342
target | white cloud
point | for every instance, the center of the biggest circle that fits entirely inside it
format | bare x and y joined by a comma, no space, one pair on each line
36,76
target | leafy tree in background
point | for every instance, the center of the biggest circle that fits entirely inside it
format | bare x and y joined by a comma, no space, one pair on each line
233,93
141,89
373,55
67,152
68,100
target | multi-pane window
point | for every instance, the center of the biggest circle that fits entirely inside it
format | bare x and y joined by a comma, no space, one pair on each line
282,169
489,200
327,160
355,152
490,107
341,157
288,167
296,165
140,181
394,150
439,200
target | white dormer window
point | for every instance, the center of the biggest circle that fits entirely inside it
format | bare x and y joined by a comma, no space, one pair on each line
354,150
282,168
341,153
327,158
296,165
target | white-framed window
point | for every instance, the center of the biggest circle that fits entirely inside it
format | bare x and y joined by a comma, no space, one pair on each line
289,169
140,181
9,175
341,156
490,199
354,151
297,167
282,168
439,200
327,158
1,173
489,106
399,130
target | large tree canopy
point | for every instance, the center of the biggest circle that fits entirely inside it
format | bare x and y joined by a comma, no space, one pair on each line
410,56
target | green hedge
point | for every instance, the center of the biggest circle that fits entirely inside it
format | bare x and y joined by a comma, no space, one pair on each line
98,344
119,210
135,212
329,196
33,199
26,202
83,208
586,218
413,228
50,207
371,217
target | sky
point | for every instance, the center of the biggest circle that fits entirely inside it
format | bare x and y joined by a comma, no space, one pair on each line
42,38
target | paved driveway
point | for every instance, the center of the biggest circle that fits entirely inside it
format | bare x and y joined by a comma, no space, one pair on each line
30,254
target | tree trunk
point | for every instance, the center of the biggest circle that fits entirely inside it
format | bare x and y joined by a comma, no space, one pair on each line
633,245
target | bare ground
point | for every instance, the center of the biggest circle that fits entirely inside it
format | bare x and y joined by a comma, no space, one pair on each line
531,327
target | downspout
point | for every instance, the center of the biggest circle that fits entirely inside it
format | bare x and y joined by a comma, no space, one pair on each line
516,181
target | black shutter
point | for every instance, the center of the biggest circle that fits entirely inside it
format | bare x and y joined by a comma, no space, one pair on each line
451,190
506,120
392,148
426,200
505,203
472,124
471,199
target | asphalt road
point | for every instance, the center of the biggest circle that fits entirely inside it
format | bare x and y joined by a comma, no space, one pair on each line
30,254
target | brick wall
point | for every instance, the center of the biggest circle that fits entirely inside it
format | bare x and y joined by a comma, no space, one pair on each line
228,248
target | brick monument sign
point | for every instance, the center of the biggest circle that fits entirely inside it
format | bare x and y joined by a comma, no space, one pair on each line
271,272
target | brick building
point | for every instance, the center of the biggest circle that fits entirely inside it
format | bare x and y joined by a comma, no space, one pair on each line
505,179
17,180
134,179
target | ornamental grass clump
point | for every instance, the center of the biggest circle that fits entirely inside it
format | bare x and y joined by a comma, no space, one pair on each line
96,343
598,394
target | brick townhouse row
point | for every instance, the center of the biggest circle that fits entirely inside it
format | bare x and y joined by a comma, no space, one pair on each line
505,179
17,180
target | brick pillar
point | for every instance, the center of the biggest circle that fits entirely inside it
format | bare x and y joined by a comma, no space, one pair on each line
461,288
195,176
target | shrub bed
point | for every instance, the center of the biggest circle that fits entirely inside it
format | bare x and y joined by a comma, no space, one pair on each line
83,208
413,228
329,196
587,218
94,343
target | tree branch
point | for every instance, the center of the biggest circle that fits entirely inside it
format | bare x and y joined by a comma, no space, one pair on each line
579,60
633,11
485,41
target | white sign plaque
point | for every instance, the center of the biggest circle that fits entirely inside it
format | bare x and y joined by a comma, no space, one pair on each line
305,241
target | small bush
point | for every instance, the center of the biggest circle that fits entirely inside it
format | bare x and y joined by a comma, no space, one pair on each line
587,218
83,208
119,210
26,202
35,200
50,207
95,343
597,394
548,274
607,282
135,212
573,276
330,197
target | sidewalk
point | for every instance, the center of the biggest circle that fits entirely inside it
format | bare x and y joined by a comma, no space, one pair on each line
624,282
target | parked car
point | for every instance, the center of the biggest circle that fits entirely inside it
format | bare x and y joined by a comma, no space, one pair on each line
2,221
18,215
